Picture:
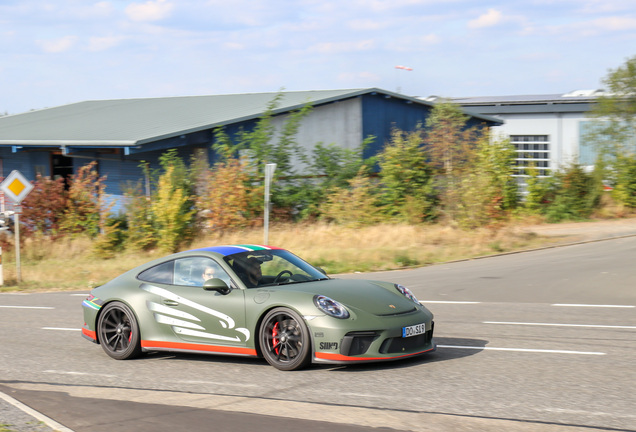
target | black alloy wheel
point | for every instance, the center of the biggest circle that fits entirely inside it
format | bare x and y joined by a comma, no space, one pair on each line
284,340
118,331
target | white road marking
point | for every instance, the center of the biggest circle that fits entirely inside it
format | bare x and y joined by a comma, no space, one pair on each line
523,350
591,305
218,383
78,373
61,328
449,302
562,325
25,307
79,295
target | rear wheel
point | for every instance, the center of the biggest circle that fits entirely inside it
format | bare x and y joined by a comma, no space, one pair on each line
118,331
284,340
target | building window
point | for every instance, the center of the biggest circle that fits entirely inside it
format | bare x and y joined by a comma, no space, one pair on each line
533,152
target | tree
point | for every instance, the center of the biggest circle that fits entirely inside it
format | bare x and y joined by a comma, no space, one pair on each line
407,177
172,212
86,209
451,145
448,139
43,208
617,110
488,191
226,199
613,134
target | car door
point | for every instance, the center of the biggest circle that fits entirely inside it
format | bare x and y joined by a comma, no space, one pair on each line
193,314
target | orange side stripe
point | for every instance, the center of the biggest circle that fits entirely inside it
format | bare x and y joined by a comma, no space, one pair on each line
340,357
197,347
89,333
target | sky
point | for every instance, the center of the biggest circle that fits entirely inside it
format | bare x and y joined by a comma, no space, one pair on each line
56,52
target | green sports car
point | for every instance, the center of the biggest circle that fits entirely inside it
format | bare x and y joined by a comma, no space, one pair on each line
257,301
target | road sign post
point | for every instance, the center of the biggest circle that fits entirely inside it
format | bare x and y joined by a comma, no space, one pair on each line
269,174
16,187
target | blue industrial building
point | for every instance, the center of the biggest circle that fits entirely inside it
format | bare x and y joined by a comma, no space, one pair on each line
120,134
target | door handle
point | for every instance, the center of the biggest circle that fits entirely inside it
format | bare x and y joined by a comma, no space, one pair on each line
170,302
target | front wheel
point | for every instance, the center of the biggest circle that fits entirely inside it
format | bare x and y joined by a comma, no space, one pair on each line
284,340
118,331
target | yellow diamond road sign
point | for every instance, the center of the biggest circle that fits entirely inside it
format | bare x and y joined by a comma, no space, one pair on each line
16,186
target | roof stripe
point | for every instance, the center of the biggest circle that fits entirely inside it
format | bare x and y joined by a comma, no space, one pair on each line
232,249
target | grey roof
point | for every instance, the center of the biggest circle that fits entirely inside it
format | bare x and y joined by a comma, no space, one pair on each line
133,122
577,96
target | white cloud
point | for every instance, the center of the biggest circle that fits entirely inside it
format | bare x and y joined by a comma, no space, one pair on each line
149,11
59,45
489,19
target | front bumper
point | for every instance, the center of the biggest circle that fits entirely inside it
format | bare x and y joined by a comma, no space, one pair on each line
369,345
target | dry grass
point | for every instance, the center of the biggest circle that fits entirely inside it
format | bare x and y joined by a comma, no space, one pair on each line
70,265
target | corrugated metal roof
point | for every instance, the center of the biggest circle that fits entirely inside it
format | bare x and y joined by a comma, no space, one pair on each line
130,122
578,96
136,121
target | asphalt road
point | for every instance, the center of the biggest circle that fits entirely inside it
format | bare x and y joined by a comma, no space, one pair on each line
536,341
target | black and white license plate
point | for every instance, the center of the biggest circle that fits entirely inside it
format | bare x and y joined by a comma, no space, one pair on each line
413,330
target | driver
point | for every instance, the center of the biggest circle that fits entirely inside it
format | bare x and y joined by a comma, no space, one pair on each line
253,272
209,272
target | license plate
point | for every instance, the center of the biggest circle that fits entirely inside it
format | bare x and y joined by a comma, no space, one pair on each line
413,330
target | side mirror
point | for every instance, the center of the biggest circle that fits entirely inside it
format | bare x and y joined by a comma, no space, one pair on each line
321,270
216,284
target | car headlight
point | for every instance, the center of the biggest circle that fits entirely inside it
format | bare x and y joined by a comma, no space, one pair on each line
406,293
331,307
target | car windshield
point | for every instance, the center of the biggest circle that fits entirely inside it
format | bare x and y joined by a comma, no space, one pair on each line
272,267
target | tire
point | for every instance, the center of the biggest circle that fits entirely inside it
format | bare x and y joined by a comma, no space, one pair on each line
118,331
284,340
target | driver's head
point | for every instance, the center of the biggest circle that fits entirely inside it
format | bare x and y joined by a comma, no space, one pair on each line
254,268
208,273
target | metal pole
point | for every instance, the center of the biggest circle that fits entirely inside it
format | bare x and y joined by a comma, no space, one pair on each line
1,270
269,174
16,220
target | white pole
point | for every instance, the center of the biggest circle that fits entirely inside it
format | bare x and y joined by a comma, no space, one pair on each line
16,220
1,271
269,174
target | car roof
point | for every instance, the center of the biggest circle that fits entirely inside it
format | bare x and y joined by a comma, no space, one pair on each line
232,249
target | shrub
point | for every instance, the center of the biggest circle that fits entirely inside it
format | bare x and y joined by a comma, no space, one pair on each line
43,208
172,213
407,179
354,206
141,233
576,195
226,199
85,211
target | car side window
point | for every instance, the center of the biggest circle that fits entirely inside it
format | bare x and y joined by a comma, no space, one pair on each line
162,273
194,271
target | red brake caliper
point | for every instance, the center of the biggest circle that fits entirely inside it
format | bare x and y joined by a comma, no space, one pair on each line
275,340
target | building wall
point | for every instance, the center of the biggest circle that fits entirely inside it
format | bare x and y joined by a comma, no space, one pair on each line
563,130
29,163
381,115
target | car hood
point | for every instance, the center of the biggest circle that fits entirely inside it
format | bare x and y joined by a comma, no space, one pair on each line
378,298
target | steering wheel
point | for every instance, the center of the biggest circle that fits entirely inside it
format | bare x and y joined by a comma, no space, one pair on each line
280,275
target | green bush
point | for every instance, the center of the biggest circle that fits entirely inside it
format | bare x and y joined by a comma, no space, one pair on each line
576,195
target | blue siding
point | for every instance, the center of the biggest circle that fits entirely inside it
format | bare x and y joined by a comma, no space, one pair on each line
381,114
26,162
